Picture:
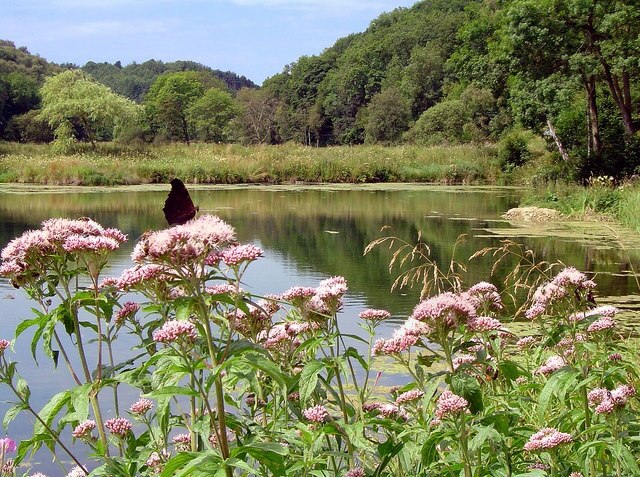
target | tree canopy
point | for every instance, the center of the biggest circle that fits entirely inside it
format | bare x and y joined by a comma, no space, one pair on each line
77,107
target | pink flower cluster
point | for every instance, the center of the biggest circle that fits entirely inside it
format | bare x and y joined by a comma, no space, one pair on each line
35,248
4,344
182,442
483,324
604,311
463,359
391,410
601,324
547,438
140,275
372,314
118,426
605,401
237,254
182,244
485,296
128,309
355,472
409,396
551,365
175,330
564,283
84,428
445,311
450,404
141,406
316,413
526,342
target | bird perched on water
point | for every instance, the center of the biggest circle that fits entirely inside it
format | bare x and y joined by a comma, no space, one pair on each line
178,208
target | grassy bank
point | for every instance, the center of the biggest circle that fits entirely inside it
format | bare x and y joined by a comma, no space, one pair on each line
111,164
601,200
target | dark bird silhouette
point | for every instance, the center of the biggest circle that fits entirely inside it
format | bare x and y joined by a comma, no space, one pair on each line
179,208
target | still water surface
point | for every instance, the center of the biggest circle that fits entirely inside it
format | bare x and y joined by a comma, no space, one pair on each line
308,234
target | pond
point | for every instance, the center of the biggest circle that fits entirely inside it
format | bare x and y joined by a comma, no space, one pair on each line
311,233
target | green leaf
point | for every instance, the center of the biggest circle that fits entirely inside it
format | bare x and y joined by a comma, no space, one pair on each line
50,410
309,379
11,414
171,391
484,433
557,386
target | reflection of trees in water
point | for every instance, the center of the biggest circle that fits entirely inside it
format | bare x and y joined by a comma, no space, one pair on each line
298,224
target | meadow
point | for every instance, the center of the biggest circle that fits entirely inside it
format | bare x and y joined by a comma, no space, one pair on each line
113,164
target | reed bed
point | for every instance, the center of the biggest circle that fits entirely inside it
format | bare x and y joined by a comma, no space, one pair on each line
113,164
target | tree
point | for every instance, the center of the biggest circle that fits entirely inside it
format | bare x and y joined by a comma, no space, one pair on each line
77,106
388,116
211,115
256,121
168,101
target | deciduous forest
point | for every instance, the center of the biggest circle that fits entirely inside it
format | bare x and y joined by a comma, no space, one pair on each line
440,72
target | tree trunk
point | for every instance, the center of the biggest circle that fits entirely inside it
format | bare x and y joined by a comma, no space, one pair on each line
556,139
622,96
592,113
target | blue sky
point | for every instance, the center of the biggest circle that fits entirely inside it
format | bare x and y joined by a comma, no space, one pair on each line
255,38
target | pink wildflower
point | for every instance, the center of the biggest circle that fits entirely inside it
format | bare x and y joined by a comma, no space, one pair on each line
371,314
559,287
222,289
173,330
141,406
156,460
551,365
575,474
4,344
547,438
615,357
237,254
133,277
84,428
445,311
182,244
127,311
409,396
526,342
485,296
7,445
182,442
484,324
450,404
394,345
390,410
298,294
355,472
316,413
118,426
602,324
370,406
79,243
463,359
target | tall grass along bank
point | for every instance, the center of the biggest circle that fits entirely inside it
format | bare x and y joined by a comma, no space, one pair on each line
112,164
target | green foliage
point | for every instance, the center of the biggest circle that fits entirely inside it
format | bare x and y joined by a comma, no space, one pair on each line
168,101
513,150
211,115
443,122
77,107
387,117
134,80
29,127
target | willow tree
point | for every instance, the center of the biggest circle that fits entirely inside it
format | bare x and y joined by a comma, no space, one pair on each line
77,107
